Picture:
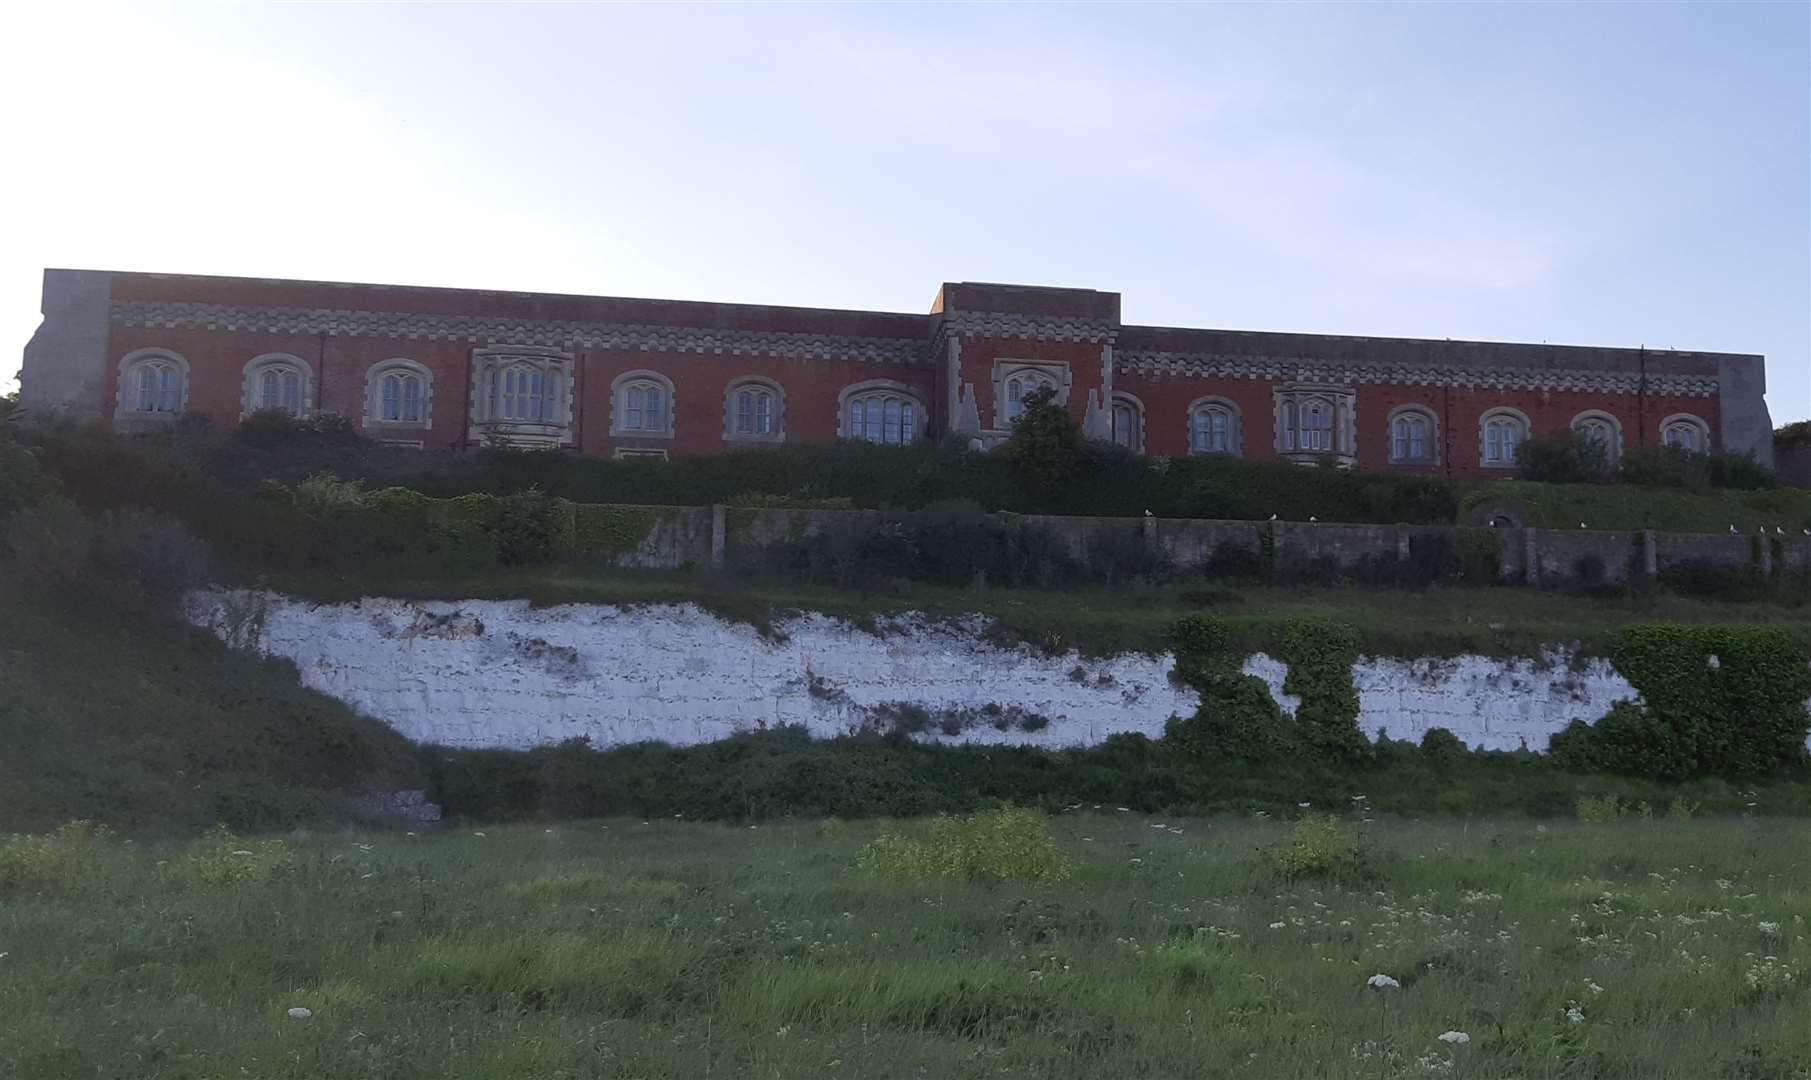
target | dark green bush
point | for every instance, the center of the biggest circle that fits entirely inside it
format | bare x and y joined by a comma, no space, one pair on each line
1564,457
1672,466
1726,701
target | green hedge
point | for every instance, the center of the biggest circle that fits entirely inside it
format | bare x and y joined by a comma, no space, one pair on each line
1629,506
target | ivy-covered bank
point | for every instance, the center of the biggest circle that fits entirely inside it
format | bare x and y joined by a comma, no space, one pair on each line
1720,729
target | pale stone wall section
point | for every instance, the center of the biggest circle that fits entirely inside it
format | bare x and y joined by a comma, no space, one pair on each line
486,673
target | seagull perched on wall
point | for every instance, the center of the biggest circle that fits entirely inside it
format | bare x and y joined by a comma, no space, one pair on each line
1733,530
1777,531
1147,513
1311,517
1273,517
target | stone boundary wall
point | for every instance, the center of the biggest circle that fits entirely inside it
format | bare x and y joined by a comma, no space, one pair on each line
1524,556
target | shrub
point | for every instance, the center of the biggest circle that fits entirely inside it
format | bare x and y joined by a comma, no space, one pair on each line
268,429
1442,749
140,560
532,528
23,483
1672,466
989,846
1600,809
219,859
1564,457
1715,701
72,859
1321,846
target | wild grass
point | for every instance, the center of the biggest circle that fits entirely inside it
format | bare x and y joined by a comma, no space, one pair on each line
1434,621
1643,949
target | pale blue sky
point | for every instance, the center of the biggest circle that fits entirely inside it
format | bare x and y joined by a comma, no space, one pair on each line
1630,174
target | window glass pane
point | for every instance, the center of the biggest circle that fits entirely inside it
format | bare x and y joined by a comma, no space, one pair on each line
147,387
891,433
858,411
411,398
908,418
763,413
171,399
745,413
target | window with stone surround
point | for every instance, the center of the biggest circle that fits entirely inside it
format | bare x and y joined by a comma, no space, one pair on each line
278,381
153,385
641,405
1686,432
397,393
1315,422
754,410
1601,428
1414,435
1127,422
880,410
1501,432
1214,426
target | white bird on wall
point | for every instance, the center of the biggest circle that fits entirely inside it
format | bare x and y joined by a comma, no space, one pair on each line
1733,530
1273,517
1311,517
1582,525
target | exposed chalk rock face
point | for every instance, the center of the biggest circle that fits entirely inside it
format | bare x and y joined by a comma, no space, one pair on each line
489,673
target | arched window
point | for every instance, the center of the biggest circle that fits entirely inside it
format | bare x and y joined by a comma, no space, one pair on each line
153,385
1308,425
1412,435
1127,422
398,392
279,381
754,410
1685,432
1022,386
1315,421
1601,428
642,405
1501,432
523,394
1213,427
881,411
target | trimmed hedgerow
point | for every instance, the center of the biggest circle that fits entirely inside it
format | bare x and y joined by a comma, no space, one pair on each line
1724,701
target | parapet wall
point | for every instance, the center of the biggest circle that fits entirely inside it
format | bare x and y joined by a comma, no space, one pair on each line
1521,555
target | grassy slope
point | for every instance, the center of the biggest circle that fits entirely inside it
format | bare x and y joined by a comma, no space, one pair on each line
667,950
1394,622
1628,506
153,727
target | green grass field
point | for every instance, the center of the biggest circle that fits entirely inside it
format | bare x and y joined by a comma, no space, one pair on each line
1434,621
1635,949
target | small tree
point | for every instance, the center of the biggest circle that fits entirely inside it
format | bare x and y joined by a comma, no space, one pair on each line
1565,457
1046,443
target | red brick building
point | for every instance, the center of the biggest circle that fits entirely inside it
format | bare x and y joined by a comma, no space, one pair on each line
449,368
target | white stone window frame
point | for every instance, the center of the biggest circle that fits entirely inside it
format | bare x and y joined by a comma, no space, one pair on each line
640,452
619,405
1121,399
1342,403
125,405
1054,372
1493,415
374,393
251,399
1235,431
1701,430
1589,416
490,362
777,422
1425,413
880,388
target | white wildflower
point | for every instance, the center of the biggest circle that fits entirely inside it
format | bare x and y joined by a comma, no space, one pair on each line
299,1013
1455,1038
243,852
477,834
1382,984
1278,925
1575,1014
1771,929
1594,988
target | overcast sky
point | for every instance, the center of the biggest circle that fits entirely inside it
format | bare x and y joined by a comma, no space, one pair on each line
1613,174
